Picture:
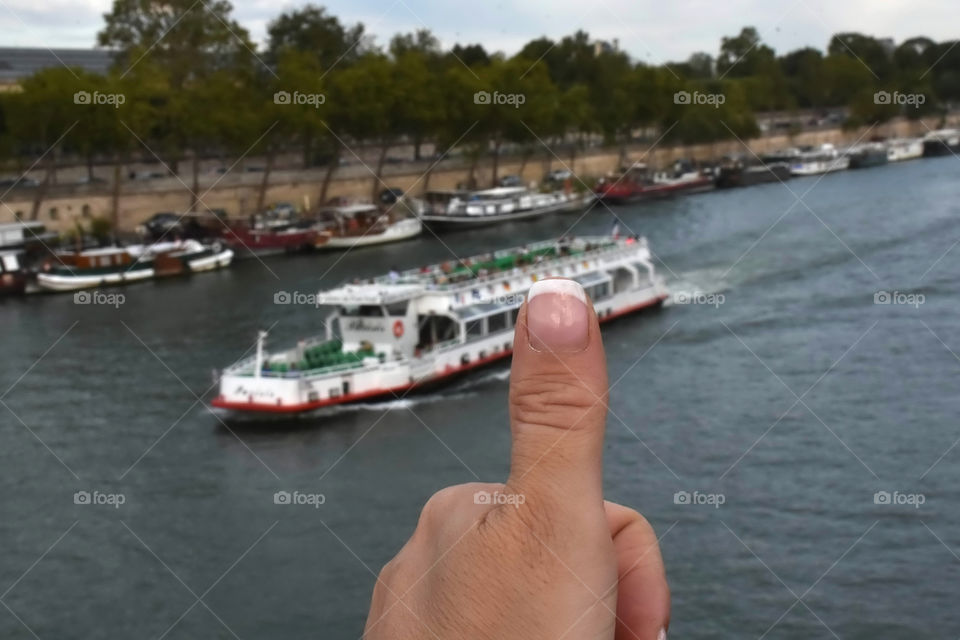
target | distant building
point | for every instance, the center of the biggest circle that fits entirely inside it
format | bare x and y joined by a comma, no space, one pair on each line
602,46
19,63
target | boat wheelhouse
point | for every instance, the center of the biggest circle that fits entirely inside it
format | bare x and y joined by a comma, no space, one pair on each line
13,276
825,159
24,235
501,204
421,327
900,149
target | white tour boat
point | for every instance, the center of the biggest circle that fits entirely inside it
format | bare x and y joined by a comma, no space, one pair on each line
502,204
899,149
825,159
74,270
409,330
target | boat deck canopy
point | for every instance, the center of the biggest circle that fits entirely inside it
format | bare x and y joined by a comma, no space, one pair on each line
354,294
482,309
594,278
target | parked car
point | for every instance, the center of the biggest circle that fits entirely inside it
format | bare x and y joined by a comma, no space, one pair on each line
160,223
91,180
559,175
22,182
284,210
511,181
390,195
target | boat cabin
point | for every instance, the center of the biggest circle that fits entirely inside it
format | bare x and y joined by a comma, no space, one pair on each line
109,257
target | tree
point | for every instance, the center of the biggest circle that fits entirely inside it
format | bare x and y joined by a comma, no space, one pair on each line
312,30
743,54
366,97
869,51
185,38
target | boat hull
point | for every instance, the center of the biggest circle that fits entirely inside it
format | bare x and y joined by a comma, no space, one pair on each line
631,193
55,282
941,147
398,233
740,177
446,375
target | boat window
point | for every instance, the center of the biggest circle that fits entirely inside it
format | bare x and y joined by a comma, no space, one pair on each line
10,262
362,311
475,328
497,323
513,316
398,308
105,261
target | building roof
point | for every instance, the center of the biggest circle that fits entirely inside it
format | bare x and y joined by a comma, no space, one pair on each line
18,63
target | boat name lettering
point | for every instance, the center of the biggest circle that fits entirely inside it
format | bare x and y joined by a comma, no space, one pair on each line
360,325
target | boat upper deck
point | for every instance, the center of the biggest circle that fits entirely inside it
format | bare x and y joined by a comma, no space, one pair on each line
454,275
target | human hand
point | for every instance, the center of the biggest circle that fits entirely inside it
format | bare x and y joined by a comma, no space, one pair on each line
542,556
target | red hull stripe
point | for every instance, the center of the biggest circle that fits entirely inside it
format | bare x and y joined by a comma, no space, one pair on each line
256,407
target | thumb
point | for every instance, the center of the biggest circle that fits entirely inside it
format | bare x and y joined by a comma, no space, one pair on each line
558,395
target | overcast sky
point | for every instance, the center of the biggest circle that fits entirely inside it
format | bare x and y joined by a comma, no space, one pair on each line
652,31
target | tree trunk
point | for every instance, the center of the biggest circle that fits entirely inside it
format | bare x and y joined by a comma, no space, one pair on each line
332,167
417,143
41,191
524,159
194,197
472,176
377,180
115,199
496,161
265,182
426,178
90,167
307,150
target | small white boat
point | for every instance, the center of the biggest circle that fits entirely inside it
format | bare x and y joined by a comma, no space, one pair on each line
825,159
350,226
900,149
409,330
502,204
74,270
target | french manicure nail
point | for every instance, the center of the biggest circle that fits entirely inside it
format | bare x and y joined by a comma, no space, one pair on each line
557,316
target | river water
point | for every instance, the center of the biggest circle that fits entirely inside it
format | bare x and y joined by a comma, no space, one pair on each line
753,427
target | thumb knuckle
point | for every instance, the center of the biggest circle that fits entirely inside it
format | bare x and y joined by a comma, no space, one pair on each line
554,401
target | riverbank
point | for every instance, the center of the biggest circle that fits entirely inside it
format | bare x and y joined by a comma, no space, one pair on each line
237,192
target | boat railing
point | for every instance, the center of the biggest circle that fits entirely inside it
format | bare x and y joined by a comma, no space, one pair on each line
298,373
604,252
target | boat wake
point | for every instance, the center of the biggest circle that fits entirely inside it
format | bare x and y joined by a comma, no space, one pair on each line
698,286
